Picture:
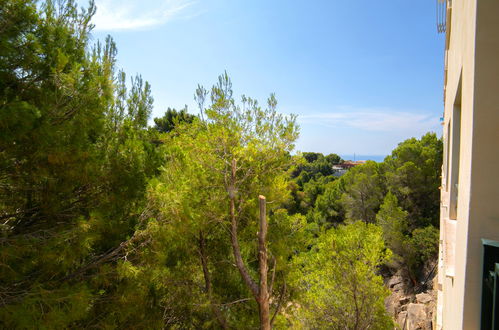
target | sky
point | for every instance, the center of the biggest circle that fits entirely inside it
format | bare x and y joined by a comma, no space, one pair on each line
361,75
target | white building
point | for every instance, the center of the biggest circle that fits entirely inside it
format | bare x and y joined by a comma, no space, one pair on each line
468,285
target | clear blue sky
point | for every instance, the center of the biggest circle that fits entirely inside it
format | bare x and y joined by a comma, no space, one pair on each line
361,75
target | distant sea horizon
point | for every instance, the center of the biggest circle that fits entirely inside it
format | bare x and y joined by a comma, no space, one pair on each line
376,158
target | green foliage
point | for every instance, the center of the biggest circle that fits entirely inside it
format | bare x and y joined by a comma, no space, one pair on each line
190,201
314,167
171,119
411,249
311,173
393,221
339,288
139,102
401,194
327,209
74,162
424,242
106,223
413,175
364,188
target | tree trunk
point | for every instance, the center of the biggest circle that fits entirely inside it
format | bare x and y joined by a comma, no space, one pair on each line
233,235
263,297
260,291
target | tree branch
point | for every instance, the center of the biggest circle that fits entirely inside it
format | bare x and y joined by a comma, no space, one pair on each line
233,235
279,303
207,279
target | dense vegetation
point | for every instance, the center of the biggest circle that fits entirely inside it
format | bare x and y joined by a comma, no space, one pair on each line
106,222
400,195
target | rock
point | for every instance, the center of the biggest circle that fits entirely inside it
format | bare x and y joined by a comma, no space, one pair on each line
392,304
404,300
399,287
416,317
401,319
416,310
394,281
409,311
423,298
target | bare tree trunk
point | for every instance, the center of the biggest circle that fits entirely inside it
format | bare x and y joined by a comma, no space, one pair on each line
260,291
263,297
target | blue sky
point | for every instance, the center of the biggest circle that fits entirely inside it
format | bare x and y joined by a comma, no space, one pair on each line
361,75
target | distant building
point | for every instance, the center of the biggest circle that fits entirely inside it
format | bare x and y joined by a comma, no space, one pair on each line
340,169
468,274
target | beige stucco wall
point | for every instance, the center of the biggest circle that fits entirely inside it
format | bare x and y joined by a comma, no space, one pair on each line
460,67
473,55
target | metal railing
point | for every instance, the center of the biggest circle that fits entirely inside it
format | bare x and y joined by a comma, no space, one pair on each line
441,15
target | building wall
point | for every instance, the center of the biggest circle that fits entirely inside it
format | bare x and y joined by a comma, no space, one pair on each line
484,192
458,89
472,80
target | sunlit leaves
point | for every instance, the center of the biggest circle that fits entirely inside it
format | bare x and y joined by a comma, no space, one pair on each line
340,288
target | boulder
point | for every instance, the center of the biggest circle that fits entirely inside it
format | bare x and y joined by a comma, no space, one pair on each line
424,298
404,300
394,281
399,287
392,304
416,317
401,319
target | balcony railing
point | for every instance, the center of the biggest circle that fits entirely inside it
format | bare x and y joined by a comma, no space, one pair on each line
441,15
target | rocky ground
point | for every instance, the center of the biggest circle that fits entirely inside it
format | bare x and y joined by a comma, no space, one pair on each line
412,306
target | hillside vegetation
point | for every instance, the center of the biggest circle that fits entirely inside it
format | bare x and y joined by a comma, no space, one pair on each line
109,223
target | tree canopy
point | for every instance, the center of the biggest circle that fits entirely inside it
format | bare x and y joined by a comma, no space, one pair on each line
75,159
338,282
171,119
108,223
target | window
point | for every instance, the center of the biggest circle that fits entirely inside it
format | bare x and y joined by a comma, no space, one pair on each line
490,285
446,157
455,154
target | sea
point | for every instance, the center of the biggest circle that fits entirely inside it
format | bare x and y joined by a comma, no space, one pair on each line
376,158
